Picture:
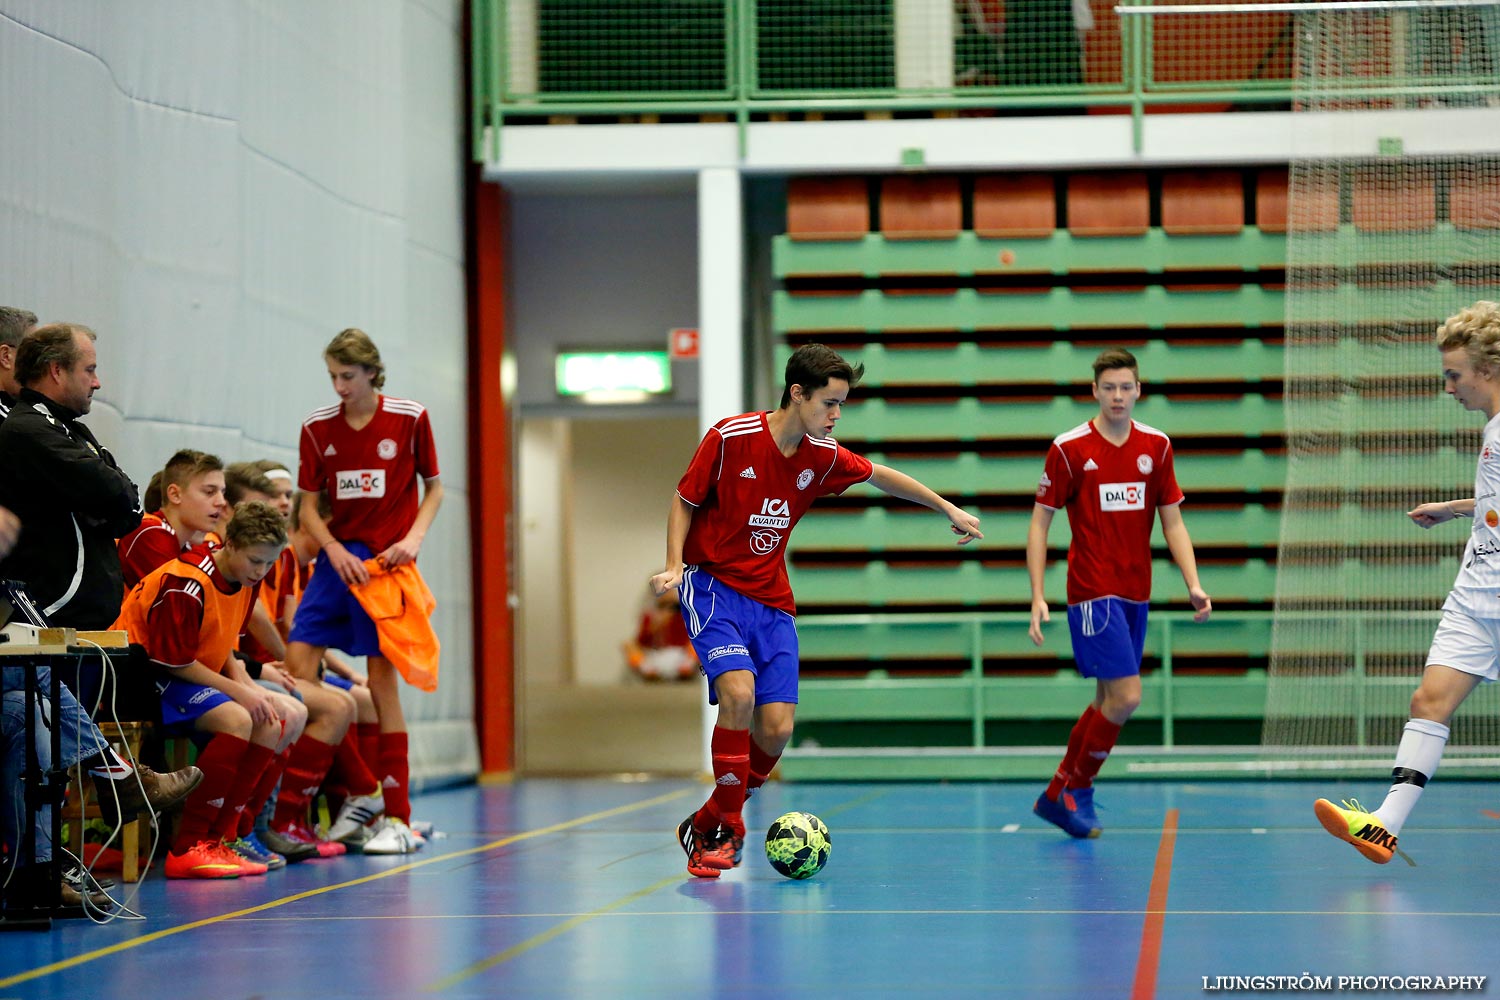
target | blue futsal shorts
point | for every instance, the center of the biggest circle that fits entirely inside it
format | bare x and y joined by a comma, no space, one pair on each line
328,615
730,631
1109,635
184,703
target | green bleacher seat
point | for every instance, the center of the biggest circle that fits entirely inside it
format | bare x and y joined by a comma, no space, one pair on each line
970,583
880,420
1061,362
966,309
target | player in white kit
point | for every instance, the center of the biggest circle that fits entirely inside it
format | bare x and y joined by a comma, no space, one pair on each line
1466,647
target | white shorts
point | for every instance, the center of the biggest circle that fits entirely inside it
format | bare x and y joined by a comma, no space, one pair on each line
1466,643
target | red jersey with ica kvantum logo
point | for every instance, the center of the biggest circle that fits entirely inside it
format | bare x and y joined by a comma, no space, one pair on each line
748,497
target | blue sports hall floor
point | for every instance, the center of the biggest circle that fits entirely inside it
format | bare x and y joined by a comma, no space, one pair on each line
576,888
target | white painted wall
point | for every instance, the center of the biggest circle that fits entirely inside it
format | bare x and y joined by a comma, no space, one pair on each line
623,476
219,186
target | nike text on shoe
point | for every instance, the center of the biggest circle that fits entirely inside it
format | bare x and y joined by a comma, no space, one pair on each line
1355,826
703,860
1063,814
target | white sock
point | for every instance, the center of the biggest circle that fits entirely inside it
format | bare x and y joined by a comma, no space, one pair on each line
1417,758
114,769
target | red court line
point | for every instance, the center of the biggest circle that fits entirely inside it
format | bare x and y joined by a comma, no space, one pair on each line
1156,912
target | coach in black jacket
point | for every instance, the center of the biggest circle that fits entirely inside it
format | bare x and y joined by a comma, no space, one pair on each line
71,497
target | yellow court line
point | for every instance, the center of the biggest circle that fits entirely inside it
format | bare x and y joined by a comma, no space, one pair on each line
582,918
77,960
852,912
853,803
505,956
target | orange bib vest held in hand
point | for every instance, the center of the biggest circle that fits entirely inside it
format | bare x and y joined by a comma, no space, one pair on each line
399,603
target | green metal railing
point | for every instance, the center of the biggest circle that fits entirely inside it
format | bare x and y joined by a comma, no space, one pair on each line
1357,693
747,58
1353,700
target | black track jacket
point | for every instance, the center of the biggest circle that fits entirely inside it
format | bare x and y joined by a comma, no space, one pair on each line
73,502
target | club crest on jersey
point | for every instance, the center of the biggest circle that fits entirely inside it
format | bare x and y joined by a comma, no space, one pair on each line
1144,464
773,514
1122,496
359,484
764,542
1043,486
803,478
386,449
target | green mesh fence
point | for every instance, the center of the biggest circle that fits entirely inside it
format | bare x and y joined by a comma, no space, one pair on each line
926,52
1381,249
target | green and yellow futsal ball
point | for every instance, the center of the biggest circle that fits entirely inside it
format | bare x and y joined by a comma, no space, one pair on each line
797,845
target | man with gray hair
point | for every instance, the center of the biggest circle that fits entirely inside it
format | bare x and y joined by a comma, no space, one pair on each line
13,326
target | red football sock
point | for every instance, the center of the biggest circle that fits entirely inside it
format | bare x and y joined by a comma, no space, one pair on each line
761,765
1097,743
304,773
1064,774
731,750
262,792
394,776
353,769
220,763
252,765
368,739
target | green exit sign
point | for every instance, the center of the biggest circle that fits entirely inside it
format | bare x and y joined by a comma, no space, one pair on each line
613,376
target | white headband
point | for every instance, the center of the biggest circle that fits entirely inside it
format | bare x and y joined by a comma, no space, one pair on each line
279,474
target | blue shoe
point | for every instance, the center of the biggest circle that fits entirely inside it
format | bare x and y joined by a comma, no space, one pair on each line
1083,808
1063,814
251,848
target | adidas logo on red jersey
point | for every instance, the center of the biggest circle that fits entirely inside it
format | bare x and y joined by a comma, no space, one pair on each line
748,473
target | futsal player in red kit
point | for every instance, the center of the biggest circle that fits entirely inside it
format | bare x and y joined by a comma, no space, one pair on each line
1115,476
750,481
368,453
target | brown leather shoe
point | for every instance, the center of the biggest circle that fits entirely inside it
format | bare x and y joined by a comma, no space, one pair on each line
26,892
162,792
70,898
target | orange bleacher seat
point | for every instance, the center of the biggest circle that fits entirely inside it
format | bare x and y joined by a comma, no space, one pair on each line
1389,200
827,208
1474,200
920,208
1271,200
1316,209
1019,205
1202,201
1109,204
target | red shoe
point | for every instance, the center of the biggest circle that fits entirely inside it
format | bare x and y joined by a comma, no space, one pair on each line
705,857
732,846
202,860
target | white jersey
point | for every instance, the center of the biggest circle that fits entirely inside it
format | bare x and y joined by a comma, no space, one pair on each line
1477,589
